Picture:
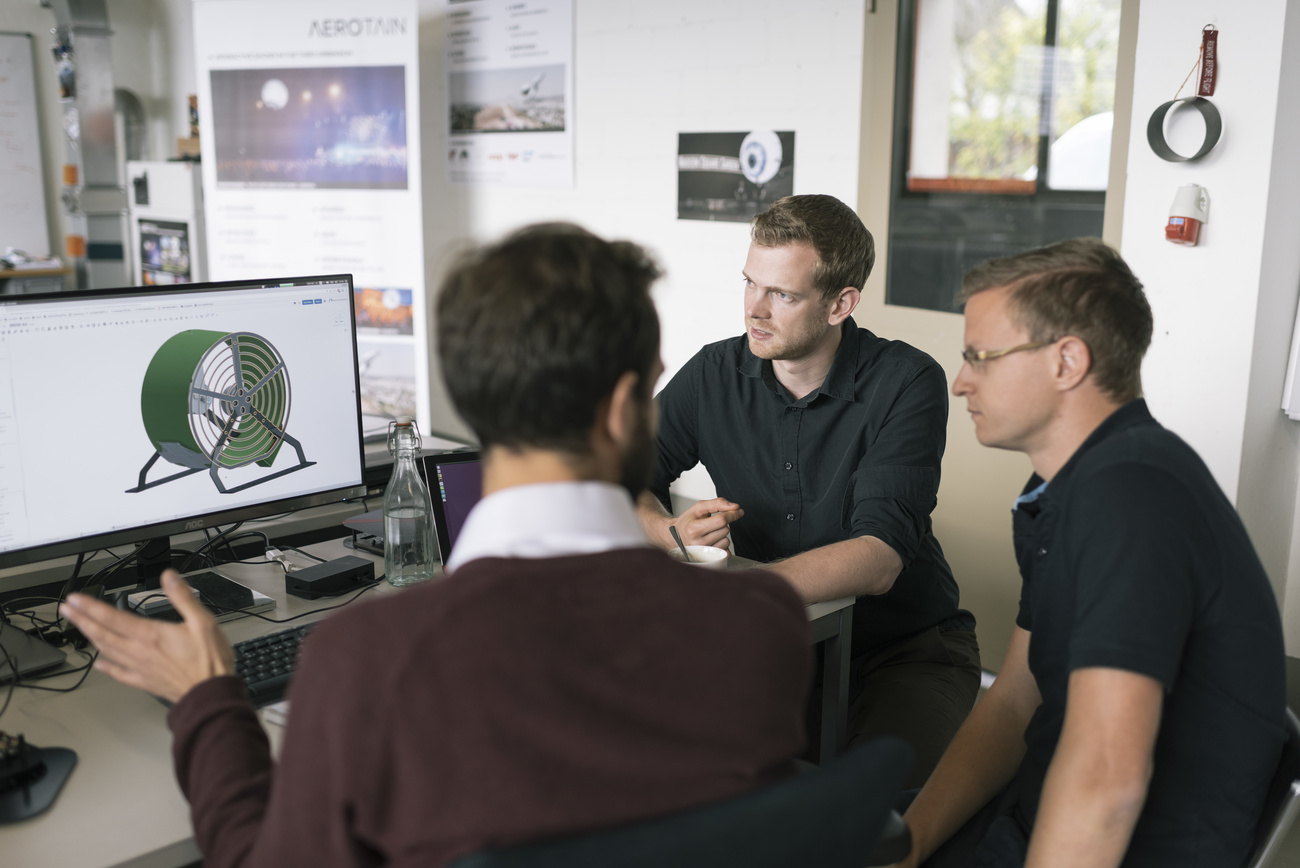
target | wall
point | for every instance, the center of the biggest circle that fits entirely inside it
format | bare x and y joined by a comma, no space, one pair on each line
973,518
644,72
144,41
1224,309
28,17
152,56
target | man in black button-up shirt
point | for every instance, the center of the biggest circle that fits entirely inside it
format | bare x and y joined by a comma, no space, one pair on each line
825,443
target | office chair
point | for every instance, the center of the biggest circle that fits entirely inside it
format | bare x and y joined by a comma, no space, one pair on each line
1282,802
831,817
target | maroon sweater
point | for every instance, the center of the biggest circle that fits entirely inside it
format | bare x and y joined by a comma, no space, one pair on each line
516,700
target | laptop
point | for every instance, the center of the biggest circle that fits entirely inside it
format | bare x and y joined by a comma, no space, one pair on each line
455,481
27,654
455,485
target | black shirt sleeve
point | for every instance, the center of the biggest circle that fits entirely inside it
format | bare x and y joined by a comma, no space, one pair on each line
895,486
1136,548
679,447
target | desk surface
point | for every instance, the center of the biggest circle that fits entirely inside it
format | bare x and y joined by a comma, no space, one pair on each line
122,806
18,273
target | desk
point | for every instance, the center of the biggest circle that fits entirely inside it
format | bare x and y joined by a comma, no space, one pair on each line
122,806
24,280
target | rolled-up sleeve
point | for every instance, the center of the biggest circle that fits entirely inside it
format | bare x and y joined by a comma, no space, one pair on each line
895,486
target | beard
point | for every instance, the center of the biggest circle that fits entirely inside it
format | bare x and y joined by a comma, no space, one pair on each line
636,464
798,340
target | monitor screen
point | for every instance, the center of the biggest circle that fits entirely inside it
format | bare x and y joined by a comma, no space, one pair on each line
137,413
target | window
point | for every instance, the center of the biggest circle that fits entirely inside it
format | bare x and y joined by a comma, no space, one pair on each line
1002,128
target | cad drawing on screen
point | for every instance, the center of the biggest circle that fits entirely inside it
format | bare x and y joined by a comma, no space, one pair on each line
216,401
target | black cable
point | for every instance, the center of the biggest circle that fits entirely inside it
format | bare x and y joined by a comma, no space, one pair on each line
135,608
76,571
305,614
13,668
207,545
37,621
17,600
234,555
262,563
83,669
307,554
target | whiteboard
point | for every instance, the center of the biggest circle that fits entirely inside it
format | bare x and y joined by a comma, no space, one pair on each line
22,189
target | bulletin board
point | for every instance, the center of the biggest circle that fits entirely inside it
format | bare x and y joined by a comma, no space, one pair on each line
22,189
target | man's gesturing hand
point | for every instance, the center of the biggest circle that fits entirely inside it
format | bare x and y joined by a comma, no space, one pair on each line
704,523
164,658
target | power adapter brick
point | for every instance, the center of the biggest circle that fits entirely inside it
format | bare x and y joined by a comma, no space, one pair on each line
330,578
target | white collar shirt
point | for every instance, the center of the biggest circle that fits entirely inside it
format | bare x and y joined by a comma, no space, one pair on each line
549,519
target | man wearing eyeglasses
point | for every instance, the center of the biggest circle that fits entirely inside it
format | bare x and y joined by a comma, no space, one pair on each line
824,442
1138,716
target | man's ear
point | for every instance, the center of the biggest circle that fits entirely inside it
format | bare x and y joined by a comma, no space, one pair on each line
844,304
619,411
1073,362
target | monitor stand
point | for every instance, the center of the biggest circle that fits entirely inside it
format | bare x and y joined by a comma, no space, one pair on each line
154,557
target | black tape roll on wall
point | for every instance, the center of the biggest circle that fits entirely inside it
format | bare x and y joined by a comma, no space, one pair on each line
1156,129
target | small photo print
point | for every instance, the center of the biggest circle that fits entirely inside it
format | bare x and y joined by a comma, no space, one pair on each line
524,99
164,252
327,127
387,379
732,176
384,311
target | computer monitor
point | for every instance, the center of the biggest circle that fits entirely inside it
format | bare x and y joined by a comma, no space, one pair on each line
132,414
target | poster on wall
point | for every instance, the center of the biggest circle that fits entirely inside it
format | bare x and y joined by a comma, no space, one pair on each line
510,92
311,165
164,252
732,176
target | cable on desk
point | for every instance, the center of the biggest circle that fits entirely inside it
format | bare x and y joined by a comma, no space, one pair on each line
265,562
13,668
305,554
203,549
76,571
25,681
234,555
262,617
84,669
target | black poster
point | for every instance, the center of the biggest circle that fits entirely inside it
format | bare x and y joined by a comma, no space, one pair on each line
732,176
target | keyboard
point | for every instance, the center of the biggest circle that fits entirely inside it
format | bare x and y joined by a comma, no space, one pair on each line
266,664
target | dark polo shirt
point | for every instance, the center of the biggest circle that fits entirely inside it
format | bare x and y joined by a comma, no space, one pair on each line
1132,558
857,457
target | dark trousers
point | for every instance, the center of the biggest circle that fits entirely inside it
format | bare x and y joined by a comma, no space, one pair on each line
918,689
993,838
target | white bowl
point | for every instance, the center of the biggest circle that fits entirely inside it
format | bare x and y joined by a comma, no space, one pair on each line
703,556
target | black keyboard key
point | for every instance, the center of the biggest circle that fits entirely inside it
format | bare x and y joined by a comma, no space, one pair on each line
266,664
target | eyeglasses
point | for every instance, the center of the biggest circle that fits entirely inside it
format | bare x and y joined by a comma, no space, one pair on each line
977,358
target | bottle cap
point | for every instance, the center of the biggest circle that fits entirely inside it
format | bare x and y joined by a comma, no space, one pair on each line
404,420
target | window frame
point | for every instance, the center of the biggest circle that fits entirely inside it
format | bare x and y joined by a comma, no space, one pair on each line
1001,215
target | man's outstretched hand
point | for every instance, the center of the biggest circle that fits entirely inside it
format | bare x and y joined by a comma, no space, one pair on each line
161,657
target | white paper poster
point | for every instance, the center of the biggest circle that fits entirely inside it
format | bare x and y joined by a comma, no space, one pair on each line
510,92
310,129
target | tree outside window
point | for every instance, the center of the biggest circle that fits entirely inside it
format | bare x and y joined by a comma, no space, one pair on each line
992,97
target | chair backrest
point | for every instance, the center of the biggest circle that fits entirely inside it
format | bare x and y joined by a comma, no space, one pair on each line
830,817
1282,802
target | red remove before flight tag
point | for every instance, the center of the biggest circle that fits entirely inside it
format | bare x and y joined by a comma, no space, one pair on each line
1209,61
